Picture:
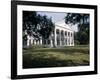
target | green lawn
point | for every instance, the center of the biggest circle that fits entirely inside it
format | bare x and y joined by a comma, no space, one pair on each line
56,57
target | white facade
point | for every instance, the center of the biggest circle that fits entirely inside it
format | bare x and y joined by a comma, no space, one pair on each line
62,35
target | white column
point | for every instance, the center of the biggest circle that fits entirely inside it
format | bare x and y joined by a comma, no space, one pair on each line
51,44
70,38
67,39
51,39
34,42
28,39
31,40
40,41
55,39
37,42
73,38
64,39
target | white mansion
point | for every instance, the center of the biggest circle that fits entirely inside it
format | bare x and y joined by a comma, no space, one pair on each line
62,35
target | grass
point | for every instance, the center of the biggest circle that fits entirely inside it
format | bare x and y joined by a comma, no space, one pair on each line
55,57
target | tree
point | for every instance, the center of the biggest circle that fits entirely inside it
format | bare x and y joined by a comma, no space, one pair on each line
29,24
47,26
36,25
83,26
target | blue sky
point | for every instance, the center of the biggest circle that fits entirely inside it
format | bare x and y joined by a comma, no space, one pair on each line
56,17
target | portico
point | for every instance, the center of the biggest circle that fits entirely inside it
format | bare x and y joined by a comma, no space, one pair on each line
63,35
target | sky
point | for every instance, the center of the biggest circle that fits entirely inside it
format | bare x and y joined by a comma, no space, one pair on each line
56,17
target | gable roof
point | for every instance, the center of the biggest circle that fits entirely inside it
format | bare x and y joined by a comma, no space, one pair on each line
63,25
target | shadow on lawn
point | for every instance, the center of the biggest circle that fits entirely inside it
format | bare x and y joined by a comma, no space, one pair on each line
40,62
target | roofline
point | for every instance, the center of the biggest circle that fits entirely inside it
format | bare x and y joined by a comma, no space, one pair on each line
63,27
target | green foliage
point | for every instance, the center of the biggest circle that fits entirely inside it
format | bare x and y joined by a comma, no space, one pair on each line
29,21
82,36
74,18
47,26
37,25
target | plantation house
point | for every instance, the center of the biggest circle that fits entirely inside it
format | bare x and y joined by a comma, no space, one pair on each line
62,35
